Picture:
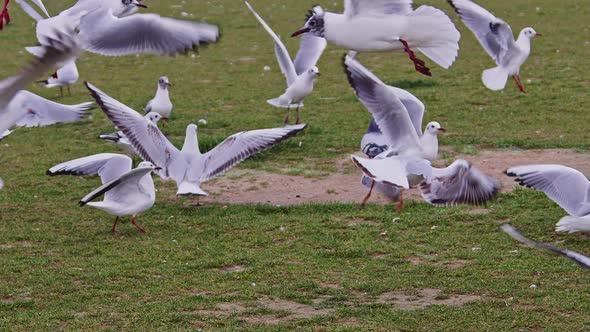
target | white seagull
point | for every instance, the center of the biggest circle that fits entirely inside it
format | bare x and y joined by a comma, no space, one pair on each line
5,17
300,74
406,162
161,103
389,25
104,28
567,187
64,76
122,141
497,39
187,167
579,259
126,192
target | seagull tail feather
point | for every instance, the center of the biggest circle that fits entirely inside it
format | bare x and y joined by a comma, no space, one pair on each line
573,224
276,102
442,43
495,78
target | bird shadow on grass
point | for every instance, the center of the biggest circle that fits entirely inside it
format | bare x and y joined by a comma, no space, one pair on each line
411,84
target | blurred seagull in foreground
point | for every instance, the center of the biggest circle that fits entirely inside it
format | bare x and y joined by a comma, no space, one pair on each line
497,39
122,141
127,192
567,187
5,17
579,259
300,74
406,162
389,25
188,167
161,103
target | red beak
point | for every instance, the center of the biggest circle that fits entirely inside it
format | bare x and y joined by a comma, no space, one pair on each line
141,5
538,35
157,168
299,32
442,129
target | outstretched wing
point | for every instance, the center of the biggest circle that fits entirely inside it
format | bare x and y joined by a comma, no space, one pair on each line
377,7
41,112
242,145
106,165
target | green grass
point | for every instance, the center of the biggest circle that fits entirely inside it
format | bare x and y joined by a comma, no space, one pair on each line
60,268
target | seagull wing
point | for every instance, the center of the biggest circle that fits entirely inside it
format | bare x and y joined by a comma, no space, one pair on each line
580,259
377,7
287,66
566,186
310,48
39,4
493,34
414,107
144,135
460,183
103,33
387,109
242,145
120,186
41,112
106,165
30,10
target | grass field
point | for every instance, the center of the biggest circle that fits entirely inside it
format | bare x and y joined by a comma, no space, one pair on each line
310,267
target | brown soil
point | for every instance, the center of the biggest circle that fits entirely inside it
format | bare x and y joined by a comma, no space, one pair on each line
424,298
250,187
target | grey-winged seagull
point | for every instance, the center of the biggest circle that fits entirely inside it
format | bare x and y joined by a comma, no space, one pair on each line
127,192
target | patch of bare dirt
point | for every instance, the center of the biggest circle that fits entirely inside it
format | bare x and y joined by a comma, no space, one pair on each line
331,285
232,269
21,244
240,187
433,260
424,298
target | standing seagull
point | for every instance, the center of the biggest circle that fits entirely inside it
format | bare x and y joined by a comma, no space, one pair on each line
406,162
122,141
187,167
300,74
567,187
497,39
5,17
161,103
126,192
389,25
64,76
579,259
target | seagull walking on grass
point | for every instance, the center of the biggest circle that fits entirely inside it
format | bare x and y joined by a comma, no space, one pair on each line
64,76
300,74
161,103
497,39
567,187
127,192
188,167
389,25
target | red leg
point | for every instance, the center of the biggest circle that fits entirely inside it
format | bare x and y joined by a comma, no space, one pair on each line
114,229
287,116
136,225
368,195
54,75
419,64
298,121
400,205
4,16
517,80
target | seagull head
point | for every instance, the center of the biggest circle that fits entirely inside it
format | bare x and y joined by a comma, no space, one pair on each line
314,71
153,117
530,33
434,127
314,25
148,164
163,82
136,3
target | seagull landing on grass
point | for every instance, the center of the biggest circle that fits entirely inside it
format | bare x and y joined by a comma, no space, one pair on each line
161,103
389,25
567,187
497,39
188,167
127,192
300,74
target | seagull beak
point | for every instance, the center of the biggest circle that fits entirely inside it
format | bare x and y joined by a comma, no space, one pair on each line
139,4
318,73
169,84
442,129
300,31
538,35
157,168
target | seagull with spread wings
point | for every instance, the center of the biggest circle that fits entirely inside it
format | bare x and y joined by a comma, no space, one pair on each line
497,39
188,167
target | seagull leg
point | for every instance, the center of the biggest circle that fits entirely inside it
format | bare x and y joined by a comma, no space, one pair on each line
61,91
368,195
517,80
298,121
136,225
287,116
4,16
400,205
69,92
419,64
114,229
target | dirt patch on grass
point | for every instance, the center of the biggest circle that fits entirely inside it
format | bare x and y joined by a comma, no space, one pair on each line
231,269
19,244
250,187
423,298
432,260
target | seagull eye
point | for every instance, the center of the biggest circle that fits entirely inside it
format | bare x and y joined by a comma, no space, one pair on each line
312,23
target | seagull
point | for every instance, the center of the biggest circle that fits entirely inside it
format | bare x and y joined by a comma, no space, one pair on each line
389,25
300,74
5,133
406,163
107,28
580,259
126,192
567,187
39,112
64,76
497,39
187,167
122,141
161,103
5,17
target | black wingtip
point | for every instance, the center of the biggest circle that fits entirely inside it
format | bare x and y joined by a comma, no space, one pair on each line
43,82
453,5
82,203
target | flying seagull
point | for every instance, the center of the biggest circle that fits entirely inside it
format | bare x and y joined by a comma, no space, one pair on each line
127,192
389,25
300,74
188,167
161,103
580,259
407,161
497,39
567,187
